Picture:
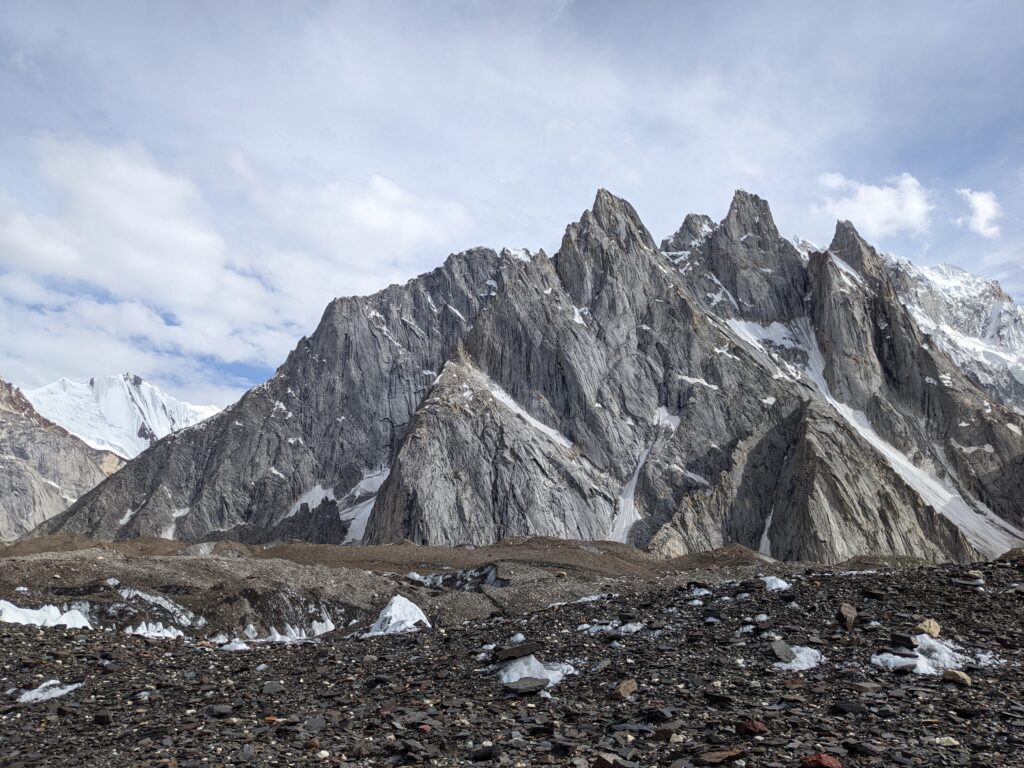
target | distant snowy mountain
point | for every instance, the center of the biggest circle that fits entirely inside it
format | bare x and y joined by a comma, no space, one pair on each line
972,319
123,414
43,469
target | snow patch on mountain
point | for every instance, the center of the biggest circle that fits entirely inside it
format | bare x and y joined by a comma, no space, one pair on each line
122,414
970,318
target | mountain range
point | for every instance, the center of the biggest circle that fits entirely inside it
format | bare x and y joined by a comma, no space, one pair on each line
727,386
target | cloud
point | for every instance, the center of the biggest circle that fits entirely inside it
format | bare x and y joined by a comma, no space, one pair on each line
985,210
901,205
236,174
130,270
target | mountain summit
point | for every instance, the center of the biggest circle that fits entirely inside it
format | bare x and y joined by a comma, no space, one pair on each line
725,388
123,414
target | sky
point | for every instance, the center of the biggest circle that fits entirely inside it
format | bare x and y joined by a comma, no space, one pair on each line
185,185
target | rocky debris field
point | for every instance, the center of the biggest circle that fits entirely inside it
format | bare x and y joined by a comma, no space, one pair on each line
229,587
918,666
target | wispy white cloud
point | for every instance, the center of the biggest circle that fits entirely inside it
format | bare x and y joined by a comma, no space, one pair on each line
984,212
900,205
233,175
130,270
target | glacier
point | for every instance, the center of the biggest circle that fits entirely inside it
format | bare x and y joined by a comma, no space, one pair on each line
122,414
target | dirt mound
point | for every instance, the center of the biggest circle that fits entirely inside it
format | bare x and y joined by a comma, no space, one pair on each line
603,557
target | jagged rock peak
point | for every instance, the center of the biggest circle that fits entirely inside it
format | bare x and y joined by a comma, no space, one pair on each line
12,400
749,214
607,237
617,219
848,245
694,229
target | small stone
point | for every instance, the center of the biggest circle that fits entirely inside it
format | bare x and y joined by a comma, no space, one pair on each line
103,717
667,735
625,689
946,741
903,641
751,728
782,651
720,756
272,688
516,651
484,753
958,677
563,748
820,760
527,685
314,724
849,708
969,582
863,748
847,616
929,627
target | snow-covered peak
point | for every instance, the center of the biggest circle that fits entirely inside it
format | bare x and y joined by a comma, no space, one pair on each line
973,319
123,414
804,247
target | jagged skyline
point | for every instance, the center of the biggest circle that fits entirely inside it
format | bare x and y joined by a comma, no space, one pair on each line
184,190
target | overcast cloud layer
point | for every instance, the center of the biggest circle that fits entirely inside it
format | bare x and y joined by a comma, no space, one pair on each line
184,186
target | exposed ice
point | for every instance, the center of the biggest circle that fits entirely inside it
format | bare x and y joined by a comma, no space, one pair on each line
806,658
169,531
313,497
765,547
51,689
627,515
181,614
155,631
509,402
399,615
936,655
359,513
47,616
666,419
702,382
774,583
531,666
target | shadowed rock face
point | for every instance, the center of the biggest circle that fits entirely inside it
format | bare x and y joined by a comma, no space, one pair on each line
43,468
724,388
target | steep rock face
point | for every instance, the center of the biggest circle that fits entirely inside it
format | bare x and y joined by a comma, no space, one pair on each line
742,265
476,468
972,319
920,401
43,469
122,414
321,433
728,389
724,435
